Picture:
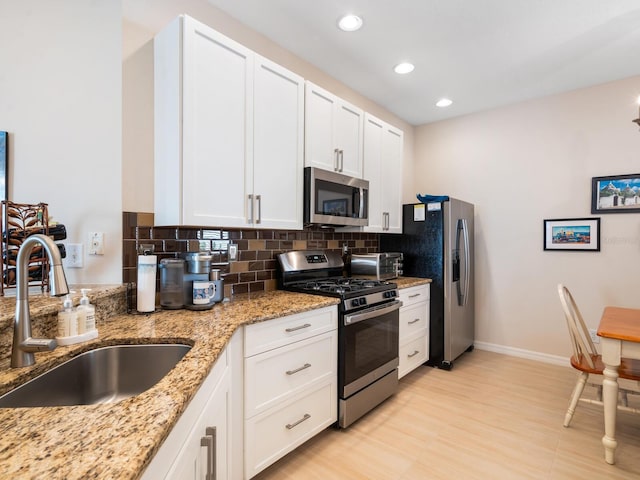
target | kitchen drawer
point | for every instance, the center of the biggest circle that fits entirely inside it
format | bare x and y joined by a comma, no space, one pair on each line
413,354
412,295
413,318
274,375
277,431
265,336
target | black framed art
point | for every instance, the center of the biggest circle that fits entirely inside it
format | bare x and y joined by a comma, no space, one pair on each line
572,234
616,194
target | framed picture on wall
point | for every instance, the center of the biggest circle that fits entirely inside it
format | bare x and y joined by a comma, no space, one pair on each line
616,194
4,159
572,234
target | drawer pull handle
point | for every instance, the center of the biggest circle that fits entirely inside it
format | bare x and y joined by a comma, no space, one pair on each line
414,295
293,329
415,352
295,424
414,321
299,369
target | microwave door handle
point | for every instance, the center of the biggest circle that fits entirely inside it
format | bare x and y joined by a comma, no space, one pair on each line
361,209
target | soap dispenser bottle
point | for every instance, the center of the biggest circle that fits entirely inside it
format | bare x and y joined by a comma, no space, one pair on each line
86,313
67,319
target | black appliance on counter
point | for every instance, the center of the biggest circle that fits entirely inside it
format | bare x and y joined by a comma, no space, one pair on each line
368,327
437,243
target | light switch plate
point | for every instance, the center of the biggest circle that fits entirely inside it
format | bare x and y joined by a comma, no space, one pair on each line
74,257
233,252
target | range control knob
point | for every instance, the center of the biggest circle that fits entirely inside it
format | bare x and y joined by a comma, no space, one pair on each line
390,294
355,302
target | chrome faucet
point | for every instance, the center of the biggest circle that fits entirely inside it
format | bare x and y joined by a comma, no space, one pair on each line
23,345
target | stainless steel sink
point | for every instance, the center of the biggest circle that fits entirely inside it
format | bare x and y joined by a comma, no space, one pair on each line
103,375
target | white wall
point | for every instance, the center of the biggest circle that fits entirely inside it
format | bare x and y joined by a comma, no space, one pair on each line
525,163
142,20
60,101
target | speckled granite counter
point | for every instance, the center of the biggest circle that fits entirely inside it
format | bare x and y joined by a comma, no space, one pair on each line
117,441
407,282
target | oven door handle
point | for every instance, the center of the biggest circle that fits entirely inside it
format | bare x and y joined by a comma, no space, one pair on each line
372,312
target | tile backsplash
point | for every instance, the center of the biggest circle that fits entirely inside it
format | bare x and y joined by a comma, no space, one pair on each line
255,268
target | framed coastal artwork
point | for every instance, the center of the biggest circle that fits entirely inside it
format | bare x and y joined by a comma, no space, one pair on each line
616,194
572,234
4,158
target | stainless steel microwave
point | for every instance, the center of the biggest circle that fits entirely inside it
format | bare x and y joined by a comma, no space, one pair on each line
334,199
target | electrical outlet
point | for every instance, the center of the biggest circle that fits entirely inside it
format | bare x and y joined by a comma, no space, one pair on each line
96,243
594,336
233,252
74,255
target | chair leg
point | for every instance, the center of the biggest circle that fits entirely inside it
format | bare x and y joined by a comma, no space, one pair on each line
575,396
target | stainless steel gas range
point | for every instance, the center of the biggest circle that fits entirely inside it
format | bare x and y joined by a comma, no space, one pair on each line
367,332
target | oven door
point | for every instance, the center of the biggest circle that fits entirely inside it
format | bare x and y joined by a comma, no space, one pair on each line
368,346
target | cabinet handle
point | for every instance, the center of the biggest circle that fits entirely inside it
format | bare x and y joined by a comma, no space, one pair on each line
300,327
336,164
341,160
299,369
212,433
250,199
295,424
259,200
415,352
209,441
414,295
414,321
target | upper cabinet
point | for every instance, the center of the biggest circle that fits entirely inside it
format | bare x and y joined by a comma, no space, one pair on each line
228,133
333,132
383,168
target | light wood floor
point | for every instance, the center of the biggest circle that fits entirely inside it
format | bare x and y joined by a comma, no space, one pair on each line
491,417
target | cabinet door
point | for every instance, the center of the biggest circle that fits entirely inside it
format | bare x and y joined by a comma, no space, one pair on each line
217,108
206,447
391,178
348,135
277,146
319,149
373,131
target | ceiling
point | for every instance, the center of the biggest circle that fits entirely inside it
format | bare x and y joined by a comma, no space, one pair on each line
479,53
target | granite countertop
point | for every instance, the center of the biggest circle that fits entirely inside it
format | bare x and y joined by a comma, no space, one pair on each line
119,440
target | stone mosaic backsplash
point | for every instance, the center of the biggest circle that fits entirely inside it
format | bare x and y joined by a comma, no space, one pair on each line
255,269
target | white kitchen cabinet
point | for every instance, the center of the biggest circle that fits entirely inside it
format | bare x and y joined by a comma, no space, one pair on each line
207,438
383,146
414,328
228,132
333,132
290,384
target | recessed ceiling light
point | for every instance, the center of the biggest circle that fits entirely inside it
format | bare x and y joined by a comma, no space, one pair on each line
443,102
350,23
403,68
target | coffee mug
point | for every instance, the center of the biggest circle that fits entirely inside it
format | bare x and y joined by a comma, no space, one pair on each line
203,292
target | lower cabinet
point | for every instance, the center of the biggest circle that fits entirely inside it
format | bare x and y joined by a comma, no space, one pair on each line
290,384
205,442
414,328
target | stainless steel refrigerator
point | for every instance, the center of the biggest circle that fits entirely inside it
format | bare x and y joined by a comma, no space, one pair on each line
437,243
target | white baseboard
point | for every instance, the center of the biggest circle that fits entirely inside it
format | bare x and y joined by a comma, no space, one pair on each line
519,352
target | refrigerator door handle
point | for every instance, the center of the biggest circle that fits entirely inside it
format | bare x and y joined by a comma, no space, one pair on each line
463,295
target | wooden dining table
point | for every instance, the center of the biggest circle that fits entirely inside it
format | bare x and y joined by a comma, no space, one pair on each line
619,330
